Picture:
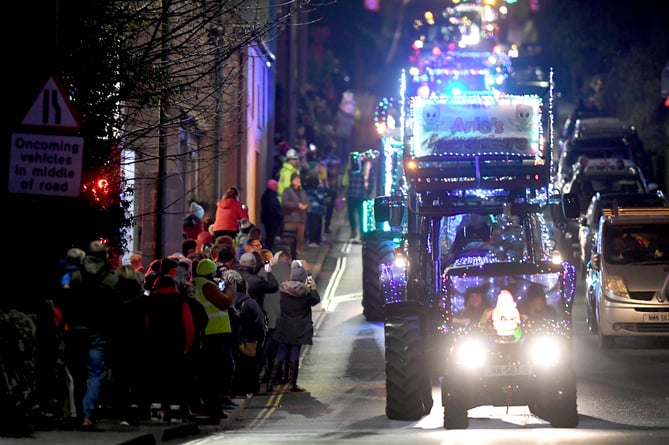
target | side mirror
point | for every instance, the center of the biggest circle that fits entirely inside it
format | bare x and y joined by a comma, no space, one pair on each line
570,206
381,209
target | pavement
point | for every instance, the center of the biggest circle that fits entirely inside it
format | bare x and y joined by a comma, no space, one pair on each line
111,432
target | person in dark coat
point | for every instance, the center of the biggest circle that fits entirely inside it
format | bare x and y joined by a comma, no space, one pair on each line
295,203
90,310
169,337
295,326
129,346
250,328
271,215
258,283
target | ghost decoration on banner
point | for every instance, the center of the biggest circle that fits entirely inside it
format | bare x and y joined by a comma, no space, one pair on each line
505,316
523,118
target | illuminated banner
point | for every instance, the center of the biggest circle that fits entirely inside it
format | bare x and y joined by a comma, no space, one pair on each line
476,124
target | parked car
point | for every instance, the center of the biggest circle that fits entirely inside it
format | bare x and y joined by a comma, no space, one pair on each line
605,200
581,120
627,282
589,177
622,143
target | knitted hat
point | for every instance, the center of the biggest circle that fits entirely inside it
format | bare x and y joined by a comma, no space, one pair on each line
206,267
232,276
272,184
248,260
244,224
294,175
297,272
196,209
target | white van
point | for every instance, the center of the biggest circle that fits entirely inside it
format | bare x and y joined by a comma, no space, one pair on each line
627,280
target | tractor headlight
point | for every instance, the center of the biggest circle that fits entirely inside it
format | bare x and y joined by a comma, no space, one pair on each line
470,353
400,262
547,351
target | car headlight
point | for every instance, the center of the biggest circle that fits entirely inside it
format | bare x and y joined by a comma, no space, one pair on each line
470,353
546,352
615,287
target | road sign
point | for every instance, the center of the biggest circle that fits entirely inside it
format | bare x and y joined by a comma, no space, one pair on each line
52,109
42,164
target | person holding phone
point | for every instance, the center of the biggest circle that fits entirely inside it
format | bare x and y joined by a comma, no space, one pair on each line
294,327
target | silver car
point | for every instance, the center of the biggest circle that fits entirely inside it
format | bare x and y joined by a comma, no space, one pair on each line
627,278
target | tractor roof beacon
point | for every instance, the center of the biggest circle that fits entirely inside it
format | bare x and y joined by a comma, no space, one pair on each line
469,154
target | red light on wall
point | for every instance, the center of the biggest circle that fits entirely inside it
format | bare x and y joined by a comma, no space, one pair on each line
102,184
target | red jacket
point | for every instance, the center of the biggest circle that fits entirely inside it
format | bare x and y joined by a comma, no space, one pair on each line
228,213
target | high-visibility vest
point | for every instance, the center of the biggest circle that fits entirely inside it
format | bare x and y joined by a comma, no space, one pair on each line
219,320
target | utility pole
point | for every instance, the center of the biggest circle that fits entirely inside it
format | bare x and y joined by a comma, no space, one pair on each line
217,37
161,224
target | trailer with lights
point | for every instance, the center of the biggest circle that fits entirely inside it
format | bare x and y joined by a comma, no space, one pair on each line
486,155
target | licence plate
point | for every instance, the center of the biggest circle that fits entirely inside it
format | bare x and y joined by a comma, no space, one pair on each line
656,318
503,370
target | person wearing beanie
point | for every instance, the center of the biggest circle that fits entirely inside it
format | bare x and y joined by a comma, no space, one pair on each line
90,308
259,282
280,266
249,329
271,213
247,261
217,360
294,327
290,166
295,203
192,224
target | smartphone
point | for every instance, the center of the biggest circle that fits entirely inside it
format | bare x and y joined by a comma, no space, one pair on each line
267,266
310,279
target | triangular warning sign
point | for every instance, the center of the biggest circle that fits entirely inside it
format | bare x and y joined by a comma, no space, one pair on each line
52,109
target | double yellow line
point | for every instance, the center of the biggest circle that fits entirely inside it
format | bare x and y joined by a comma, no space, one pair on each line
274,400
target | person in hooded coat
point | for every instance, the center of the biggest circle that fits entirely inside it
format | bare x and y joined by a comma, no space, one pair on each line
229,211
295,326
192,224
90,310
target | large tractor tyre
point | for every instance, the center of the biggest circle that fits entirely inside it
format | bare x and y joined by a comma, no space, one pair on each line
454,403
408,386
558,406
563,410
375,252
